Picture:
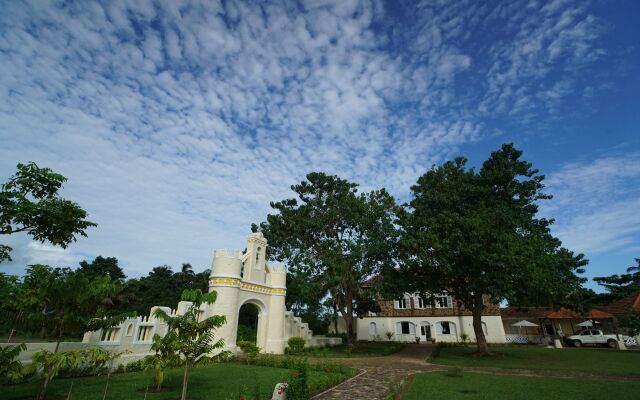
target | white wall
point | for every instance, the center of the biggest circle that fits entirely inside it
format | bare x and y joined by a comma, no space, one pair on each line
495,330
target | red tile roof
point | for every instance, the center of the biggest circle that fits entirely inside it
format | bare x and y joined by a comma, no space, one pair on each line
550,313
624,305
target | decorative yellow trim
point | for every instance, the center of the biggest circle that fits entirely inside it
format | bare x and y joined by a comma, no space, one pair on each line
224,281
251,287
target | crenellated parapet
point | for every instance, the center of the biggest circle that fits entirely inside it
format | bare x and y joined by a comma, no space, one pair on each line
249,270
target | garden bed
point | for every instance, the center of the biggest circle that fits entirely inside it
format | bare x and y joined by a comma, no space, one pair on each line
216,381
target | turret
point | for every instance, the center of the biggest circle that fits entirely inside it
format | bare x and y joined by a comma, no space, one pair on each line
226,265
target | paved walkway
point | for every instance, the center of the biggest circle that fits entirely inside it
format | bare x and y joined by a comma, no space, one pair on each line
378,374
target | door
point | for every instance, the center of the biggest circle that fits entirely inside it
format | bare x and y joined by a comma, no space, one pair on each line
585,337
425,331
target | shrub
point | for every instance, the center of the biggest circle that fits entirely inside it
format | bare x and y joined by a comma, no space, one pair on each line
296,344
249,349
389,335
135,366
11,369
298,388
465,339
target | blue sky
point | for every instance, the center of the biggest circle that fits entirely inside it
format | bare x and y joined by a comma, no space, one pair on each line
177,122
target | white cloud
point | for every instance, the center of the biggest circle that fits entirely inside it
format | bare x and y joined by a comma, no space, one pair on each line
596,203
177,122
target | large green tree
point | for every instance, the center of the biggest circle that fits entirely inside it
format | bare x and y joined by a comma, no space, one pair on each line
620,286
472,232
334,237
30,203
103,266
60,301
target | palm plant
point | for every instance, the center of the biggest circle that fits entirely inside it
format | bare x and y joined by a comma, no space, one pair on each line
49,364
11,368
166,356
192,338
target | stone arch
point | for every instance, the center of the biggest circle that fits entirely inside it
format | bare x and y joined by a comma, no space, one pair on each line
261,334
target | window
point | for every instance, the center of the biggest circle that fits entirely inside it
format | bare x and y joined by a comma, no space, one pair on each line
258,250
484,328
130,330
144,333
446,329
110,335
585,333
443,302
401,303
372,329
422,303
405,328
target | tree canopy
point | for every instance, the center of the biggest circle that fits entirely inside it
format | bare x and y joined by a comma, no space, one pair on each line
622,285
30,203
335,237
472,232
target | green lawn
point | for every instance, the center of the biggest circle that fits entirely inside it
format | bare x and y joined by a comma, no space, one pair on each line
218,381
604,361
361,349
437,386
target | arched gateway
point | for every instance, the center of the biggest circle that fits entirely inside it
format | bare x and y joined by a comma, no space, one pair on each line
239,278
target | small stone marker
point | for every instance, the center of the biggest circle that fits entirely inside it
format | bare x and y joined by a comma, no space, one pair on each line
280,392
557,343
620,343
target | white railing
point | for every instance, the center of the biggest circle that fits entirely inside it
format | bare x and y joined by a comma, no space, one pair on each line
630,340
523,339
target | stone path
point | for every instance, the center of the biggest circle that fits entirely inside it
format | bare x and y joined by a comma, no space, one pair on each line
378,374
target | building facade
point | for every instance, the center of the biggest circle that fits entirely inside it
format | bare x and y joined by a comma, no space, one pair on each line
412,317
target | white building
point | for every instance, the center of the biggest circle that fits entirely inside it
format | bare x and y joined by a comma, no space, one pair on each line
412,317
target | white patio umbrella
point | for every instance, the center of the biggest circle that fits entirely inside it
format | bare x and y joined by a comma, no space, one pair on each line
585,324
523,323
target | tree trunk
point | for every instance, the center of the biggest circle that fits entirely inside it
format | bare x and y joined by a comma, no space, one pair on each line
185,381
43,391
13,331
106,387
481,340
70,388
335,316
348,319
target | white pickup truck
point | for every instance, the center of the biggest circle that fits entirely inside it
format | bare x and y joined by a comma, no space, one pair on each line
593,337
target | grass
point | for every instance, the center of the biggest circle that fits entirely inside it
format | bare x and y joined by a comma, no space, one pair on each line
361,349
604,361
217,381
437,386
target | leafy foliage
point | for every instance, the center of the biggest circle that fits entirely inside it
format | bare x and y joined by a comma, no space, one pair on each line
103,266
59,300
50,363
11,369
191,337
620,286
298,388
296,344
477,232
335,238
249,349
29,202
631,321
